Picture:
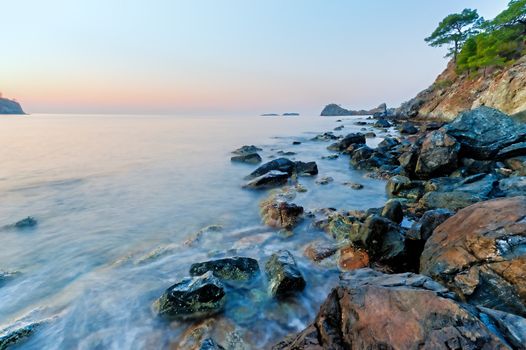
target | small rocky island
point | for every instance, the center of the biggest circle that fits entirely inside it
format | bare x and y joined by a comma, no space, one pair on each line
335,110
10,106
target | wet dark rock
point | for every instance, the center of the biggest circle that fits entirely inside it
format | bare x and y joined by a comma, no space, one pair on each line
250,158
484,131
340,227
512,327
361,154
280,164
454,194
370,135
382,239
474,166
338,128
402,187
296,143
244,150
430,126
193,297
479,253
388,143
360,123
408,128
326,136
325,180
28,222
283,274
287,153
18,333
513,186
234,268
372,310
514,150
306,168
382,123
431,219
271,179
438,155
353,185
279,213
342,145
393,211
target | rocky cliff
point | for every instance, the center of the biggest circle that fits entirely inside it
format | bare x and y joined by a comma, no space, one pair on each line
10,107
450,94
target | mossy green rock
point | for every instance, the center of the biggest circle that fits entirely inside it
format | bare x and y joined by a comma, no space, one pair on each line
193,297
234,268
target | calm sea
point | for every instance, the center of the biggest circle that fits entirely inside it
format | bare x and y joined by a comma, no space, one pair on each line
116,197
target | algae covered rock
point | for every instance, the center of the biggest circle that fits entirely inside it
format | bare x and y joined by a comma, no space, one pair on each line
234,268
284,275
193,297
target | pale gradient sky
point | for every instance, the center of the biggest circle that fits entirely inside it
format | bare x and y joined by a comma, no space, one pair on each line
219,56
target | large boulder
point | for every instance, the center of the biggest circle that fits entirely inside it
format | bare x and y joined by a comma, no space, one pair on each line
234,268
438,155
280,164
250,158
484,131
279,213
191,298
273,178
350,139
284,275
244,150
372,310
480,253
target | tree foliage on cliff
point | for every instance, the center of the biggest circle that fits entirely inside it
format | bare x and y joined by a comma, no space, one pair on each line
500,42
454,30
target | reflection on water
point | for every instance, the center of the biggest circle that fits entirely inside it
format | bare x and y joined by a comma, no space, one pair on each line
116,197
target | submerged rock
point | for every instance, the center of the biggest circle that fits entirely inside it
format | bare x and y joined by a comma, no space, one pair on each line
484,131
372,310
283,274
26,223
306,168
325,180
247,150
250,158
193,297
234,268
280,164
273,178
480,253
6,276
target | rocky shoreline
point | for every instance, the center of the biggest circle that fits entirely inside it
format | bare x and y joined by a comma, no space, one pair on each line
439,266
453,278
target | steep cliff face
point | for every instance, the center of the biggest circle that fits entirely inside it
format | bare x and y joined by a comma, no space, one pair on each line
10,107
450,94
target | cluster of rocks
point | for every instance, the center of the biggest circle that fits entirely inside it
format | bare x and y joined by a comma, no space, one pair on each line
277,173
454,278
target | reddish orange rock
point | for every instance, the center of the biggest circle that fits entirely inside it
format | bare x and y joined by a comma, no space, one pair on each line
352,258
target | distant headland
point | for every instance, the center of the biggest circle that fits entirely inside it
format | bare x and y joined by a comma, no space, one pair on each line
10,106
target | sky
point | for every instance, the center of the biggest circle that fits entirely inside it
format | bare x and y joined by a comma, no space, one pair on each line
220,57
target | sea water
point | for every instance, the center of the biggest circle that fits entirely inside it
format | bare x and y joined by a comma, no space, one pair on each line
117,197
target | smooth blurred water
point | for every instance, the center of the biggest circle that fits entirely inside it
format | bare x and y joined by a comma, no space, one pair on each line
108,190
